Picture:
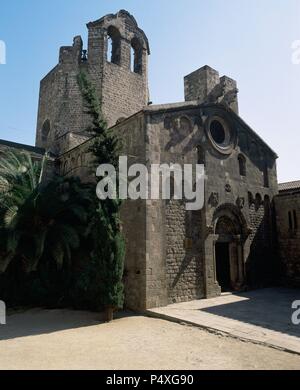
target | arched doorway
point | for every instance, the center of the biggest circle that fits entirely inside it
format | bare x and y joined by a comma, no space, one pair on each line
223,266
228,251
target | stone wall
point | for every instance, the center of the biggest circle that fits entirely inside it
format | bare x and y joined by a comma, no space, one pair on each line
262,266
78,162
60,101
175,133
288,212
206,86
122,90
6,146
184,257
230,188
132,136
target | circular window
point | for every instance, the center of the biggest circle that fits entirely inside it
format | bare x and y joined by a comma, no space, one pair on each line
220,134
217,132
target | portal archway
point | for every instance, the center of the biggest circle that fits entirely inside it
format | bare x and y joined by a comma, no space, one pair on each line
229,266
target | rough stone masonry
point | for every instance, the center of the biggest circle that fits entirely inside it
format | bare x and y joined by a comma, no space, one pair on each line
173,255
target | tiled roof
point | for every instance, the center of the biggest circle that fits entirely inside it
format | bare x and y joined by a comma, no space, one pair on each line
292,185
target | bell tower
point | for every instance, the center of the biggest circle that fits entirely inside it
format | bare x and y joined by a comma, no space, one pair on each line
118,51
116,61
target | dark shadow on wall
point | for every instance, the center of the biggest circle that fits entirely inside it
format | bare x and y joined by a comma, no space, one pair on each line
180,128
263,266
192,263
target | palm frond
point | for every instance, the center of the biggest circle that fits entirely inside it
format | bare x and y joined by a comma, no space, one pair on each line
10,217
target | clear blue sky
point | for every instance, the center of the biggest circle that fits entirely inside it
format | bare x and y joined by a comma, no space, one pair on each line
249,40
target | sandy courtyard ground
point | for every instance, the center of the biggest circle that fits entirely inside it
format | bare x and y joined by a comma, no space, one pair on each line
63,339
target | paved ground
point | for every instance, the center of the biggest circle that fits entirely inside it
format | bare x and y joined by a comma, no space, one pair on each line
78,340
262,316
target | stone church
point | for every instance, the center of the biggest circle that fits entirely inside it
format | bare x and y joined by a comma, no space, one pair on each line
173,255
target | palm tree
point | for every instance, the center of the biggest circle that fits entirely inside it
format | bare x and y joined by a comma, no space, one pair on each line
39,221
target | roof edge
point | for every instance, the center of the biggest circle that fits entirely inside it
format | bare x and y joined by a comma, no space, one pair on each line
29,148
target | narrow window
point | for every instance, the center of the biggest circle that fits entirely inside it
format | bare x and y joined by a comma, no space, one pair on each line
132,59
258,201
295,220
251,200
109,49
266,176
242,165
113,45
136,56
200,155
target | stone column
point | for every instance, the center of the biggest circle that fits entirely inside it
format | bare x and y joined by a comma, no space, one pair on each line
241,264
212,288
247,251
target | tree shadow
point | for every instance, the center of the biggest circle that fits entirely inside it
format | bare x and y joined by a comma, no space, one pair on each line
38,322
267,308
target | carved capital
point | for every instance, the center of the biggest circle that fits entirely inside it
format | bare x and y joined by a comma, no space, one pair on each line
209,230
228,188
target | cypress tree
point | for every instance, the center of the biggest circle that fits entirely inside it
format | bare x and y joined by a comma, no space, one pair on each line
109,244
